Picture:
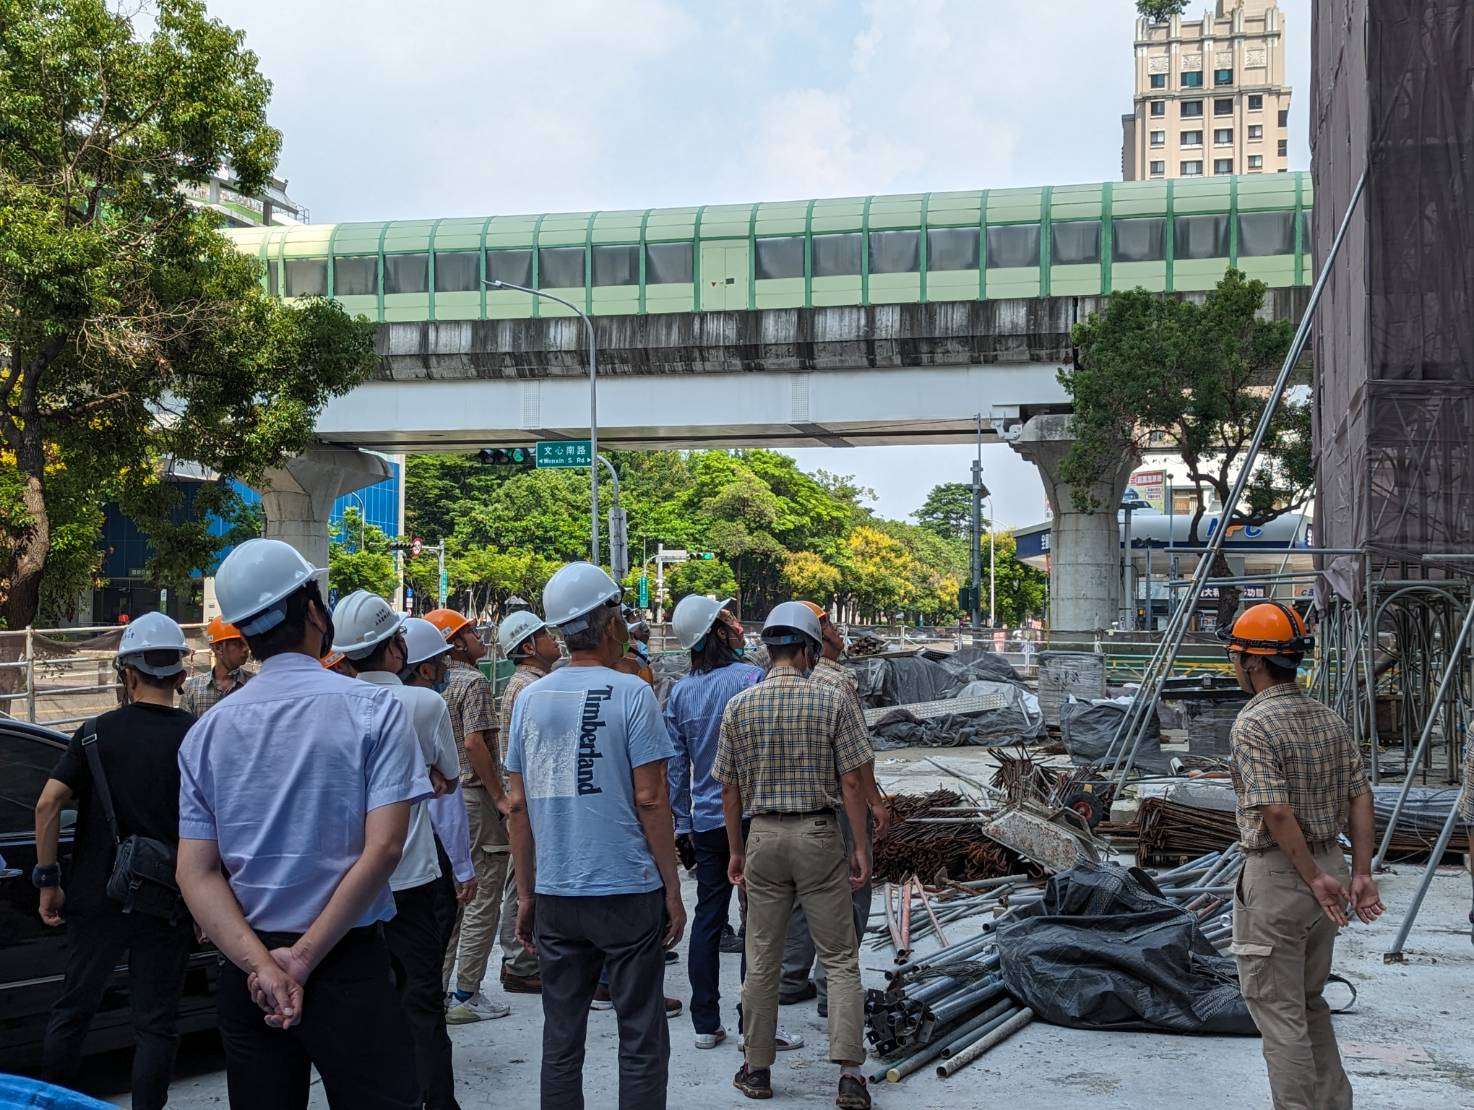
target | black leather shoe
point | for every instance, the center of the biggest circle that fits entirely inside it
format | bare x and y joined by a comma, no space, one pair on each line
756,1082
803,994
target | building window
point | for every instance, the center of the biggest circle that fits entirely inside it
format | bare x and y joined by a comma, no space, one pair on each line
1306,246
1158,107
1191,169
616,265
1192,109
1265,233
1256,161
952,248
836,255
457,271
1223,77
1075,242
1223,106
1256,132
1013,246
560,268
1159,138
1200,237
1192,79
406,273
1256,102
1138,240
1158,169
1223,136
895,252
670,263
1282,148
1190,138
780,257
1159,80
1222,165
273,281
307,277
1284,117
513,267
356,277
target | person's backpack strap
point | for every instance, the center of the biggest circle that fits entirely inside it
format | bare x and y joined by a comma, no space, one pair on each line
88,735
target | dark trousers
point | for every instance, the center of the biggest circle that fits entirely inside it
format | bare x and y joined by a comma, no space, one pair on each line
447,910
352,1029
417,936
575,937
157,953
713,898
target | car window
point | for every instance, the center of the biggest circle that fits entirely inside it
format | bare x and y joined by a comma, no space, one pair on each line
25,765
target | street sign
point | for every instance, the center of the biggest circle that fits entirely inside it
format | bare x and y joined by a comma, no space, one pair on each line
444,585
672,555
565,453
642,596
416,545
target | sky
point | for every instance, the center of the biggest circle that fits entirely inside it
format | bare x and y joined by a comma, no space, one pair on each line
463,107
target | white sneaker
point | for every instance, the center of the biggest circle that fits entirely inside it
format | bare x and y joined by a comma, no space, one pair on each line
711,1040
476,1008
783,1040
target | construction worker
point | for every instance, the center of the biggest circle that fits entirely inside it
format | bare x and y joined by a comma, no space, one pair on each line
781,745
693,715
640,642
591,824
426,666
294,804
137,748
228,670
371,634
1299,782
798,952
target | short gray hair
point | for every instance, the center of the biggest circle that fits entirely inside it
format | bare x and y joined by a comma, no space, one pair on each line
594,622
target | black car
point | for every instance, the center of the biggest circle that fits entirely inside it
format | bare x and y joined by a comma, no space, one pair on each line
33,956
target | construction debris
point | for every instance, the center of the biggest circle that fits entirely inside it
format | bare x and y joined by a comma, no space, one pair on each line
957,852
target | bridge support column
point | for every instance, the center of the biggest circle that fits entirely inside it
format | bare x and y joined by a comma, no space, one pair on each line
298,496
1084,547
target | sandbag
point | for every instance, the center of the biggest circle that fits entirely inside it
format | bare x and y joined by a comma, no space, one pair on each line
1104,950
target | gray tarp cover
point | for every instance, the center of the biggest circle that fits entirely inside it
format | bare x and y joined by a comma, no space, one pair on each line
1103,950
1087,727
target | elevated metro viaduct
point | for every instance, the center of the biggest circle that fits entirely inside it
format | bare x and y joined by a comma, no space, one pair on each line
857,321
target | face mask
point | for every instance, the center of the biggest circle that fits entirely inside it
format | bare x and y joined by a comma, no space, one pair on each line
439,685
641,650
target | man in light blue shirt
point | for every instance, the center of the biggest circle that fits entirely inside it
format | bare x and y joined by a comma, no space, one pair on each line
592,837
294,804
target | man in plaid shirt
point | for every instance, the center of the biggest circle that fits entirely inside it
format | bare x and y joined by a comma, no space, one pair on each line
228,671
781,745
1299,782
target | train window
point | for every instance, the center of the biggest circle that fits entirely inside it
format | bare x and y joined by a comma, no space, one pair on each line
670,263
952,248
406,273
1013,246
1139,240
1075,242
356,277
780,257
457,271
1262,233
560,267
617,265
514,267
307,277
895,252
836,255
1200,237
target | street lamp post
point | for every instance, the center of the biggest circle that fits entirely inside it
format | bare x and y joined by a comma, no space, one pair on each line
992,569
593,407
1131,501
362,522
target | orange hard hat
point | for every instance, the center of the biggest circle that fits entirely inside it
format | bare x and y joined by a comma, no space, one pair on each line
219,630
448,621
331,660
816,610
1269,628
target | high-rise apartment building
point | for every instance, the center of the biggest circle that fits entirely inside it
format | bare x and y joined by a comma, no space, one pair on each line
1210,95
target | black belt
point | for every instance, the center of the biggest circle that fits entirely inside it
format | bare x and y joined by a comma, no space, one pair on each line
795,816
1313,845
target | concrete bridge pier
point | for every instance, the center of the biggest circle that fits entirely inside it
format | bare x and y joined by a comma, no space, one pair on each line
298,497
1085,547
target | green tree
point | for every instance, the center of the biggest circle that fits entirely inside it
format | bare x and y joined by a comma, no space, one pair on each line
700,576
359,558
130,331
810,578
1160,11
947,510
1018,589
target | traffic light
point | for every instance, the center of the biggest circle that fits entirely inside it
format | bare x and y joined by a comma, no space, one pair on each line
507,456
967,599
703,554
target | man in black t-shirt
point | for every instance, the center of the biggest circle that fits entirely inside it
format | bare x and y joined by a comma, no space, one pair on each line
138,745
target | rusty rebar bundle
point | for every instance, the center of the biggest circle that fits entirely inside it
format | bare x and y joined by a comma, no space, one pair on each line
958,852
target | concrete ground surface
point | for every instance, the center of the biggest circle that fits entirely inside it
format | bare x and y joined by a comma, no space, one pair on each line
1406,1045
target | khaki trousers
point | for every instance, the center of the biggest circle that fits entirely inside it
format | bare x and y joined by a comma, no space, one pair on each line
1283,943
800,858
476,922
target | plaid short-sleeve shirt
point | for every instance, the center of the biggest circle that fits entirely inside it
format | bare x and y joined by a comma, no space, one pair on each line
523,677
783,741
472,708
1290,749
826,672
203,692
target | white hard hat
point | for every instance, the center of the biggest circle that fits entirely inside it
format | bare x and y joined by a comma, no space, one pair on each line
516,628
422,641
792,622
152,632
256,577
575,591
361,621
693,617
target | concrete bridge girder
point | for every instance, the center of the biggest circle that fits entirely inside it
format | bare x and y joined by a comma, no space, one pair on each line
297,497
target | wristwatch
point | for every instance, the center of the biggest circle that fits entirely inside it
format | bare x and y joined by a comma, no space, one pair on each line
45,875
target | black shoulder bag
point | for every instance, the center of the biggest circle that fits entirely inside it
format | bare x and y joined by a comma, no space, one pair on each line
142,878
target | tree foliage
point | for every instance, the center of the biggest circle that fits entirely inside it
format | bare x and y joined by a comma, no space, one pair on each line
947,510
359,558
1160,11
130,331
